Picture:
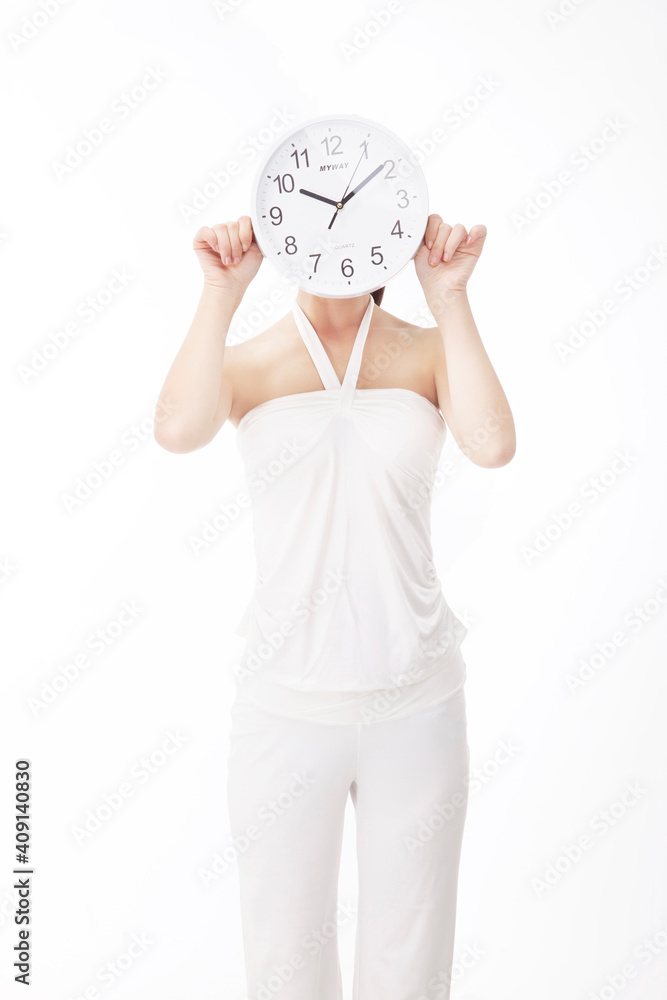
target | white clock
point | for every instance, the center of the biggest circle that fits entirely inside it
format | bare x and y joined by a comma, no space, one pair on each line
339,206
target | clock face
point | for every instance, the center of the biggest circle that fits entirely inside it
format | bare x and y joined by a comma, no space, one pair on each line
339,207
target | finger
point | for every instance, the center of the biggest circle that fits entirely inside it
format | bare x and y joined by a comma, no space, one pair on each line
431,229
444,229
245,232
457,234
224,244
205,235
234,241
476,233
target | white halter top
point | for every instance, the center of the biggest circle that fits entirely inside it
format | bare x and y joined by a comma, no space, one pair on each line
347,597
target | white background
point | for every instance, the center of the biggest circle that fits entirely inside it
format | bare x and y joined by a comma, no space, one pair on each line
536,611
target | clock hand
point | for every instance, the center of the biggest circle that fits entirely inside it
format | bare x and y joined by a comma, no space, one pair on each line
320,197
347,197
370,177
342,201
353,173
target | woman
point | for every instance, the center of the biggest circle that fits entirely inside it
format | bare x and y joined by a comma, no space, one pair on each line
352,679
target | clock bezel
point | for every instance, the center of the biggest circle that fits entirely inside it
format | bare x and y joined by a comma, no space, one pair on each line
305,283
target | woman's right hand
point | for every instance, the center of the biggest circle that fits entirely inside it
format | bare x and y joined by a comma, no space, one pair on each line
226,241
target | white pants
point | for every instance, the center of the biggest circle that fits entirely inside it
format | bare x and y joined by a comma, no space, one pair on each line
287,788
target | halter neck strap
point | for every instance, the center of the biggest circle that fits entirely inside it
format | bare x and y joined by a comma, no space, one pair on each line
320,357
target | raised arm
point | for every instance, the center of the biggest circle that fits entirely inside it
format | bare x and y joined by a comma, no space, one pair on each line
196,397
470,395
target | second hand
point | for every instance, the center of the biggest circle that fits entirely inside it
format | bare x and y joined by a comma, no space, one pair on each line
340,204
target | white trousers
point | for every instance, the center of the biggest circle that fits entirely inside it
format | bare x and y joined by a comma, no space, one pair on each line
287,788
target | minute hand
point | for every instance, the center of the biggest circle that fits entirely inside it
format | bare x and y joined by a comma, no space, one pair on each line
359,186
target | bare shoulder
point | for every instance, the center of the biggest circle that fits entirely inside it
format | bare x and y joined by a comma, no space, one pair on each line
253,350
263,366
424,338
414,346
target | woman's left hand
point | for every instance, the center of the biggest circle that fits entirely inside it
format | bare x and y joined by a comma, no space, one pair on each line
456,252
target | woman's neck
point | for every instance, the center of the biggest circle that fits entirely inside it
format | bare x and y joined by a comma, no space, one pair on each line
335,318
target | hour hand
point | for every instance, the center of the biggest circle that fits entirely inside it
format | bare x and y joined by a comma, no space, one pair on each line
320,197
